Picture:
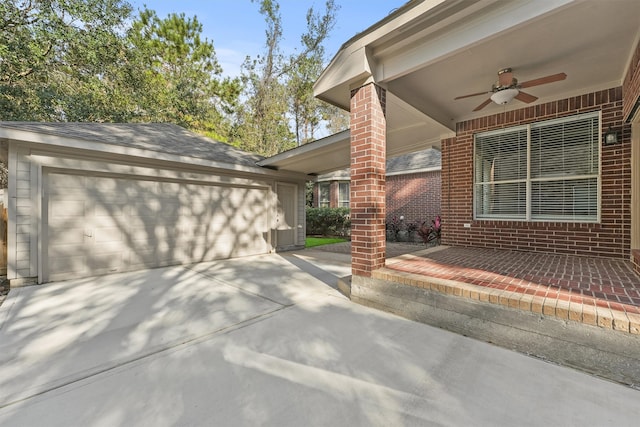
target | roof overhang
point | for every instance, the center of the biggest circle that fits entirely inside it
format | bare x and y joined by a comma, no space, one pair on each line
314,158
408,130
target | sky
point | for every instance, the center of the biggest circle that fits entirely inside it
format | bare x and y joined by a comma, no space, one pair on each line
237,29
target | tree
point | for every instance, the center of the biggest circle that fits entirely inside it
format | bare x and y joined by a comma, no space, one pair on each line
303,106
304,68
336,119
262,126
278,89
49,49
180,77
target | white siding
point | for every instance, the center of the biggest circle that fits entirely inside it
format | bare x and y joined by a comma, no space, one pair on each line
23,217
302,214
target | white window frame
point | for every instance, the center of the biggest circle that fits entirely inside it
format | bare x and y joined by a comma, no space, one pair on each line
324,203
344,203
529,181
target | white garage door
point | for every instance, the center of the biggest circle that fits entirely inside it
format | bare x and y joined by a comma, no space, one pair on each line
97,225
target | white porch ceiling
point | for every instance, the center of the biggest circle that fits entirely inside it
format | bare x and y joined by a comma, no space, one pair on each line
591,41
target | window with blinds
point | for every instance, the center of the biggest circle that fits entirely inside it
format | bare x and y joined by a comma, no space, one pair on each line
343,194
546,171
323,195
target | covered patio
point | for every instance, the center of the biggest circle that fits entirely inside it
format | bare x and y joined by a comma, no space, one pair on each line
531,221
592,291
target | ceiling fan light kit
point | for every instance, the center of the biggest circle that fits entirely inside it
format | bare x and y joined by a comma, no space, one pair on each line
504,96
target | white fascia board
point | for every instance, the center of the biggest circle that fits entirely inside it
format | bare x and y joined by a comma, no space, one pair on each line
111,149
320,144
395,63
412,171
348,68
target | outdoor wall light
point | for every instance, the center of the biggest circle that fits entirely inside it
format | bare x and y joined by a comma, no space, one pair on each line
610,137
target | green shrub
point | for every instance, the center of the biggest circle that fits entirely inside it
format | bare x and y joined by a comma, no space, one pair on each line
328,221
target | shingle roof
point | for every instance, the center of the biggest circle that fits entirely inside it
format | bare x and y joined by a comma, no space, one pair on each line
425,159
159,137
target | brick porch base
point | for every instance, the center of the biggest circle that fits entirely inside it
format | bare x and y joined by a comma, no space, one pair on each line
600,292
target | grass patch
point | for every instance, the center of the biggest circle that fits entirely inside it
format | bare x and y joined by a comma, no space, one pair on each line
318,241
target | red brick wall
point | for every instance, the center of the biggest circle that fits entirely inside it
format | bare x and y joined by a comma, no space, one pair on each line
368,158
609,238
415,196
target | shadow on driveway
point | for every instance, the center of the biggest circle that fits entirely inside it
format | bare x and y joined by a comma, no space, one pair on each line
265,340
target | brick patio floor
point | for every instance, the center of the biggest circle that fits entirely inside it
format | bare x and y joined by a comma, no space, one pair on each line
594,291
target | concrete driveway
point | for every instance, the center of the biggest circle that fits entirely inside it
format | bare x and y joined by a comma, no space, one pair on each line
266,340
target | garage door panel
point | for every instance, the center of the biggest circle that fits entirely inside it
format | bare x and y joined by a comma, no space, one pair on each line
105,262
169,188
146,237
158,232
143,258
113,209
99,225
106,184
169,210
107,248
199,210
139,227
67,236
145,209
65,266
63,209
169,257
153,258
63,183
118,220
106,235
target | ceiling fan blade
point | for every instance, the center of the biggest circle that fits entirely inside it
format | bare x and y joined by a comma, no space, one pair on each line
469,96
543,80
525,97
484,104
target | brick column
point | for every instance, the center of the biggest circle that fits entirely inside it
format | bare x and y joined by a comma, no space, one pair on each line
333,194
368,156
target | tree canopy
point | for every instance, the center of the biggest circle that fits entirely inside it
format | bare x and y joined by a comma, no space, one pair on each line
48,47
94,60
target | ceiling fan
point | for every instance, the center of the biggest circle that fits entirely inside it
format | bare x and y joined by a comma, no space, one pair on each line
507,88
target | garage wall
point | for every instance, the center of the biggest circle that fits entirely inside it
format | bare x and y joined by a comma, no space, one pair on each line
22,217
302,214
27,211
